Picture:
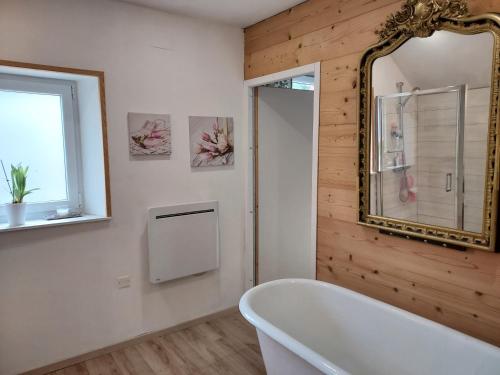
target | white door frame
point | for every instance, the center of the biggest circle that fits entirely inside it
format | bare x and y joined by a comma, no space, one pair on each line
248,164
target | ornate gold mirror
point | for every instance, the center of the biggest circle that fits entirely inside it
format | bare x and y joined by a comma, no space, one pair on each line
429,125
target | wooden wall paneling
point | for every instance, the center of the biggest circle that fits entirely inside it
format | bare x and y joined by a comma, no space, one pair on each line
458,289
330,42
321,38
339,136
483,6
312,15
304,19
454,288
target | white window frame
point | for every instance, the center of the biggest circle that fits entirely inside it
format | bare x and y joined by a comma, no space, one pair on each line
69,105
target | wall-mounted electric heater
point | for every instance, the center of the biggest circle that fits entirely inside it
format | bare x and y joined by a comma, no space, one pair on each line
183,240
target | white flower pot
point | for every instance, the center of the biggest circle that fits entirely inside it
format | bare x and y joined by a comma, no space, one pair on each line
16,214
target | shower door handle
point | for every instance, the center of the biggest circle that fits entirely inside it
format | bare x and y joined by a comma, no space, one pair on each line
448,182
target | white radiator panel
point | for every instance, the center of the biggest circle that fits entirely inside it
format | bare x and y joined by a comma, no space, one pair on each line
183,240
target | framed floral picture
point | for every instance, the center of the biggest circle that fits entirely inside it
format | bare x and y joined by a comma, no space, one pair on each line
149,134
211,141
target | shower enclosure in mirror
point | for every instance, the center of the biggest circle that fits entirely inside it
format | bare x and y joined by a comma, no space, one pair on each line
429,125
420,156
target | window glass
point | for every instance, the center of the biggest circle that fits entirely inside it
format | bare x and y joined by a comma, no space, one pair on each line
303,83
32,133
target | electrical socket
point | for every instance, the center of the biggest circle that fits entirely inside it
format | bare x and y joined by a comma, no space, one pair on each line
123,281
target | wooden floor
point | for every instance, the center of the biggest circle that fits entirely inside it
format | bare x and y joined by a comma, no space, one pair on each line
226,345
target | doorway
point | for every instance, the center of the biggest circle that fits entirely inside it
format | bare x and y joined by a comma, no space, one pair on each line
283,120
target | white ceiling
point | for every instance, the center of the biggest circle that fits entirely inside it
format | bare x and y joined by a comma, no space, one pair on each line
233,12
446,59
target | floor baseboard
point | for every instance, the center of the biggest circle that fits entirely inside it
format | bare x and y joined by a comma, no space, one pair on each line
111,348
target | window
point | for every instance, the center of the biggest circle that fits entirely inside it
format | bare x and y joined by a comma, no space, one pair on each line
305,82
53,121
38,128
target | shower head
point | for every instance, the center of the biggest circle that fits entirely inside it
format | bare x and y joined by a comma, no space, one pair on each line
405,100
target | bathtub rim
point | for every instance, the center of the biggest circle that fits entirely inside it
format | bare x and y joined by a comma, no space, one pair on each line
317,360
310,356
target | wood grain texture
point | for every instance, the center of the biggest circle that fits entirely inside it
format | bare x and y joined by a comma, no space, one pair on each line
145,344
313,15
226,345
458,289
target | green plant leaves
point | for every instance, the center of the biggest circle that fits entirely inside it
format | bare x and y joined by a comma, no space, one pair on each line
19,175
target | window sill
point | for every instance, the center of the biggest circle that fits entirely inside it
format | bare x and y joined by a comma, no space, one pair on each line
36,224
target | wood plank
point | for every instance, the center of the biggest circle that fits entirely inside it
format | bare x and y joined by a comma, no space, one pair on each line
170,357
103,365
340,74
237,337
131,362
225,347
331,100
304,19
483,6
338,40
315,14
211,345
338,169
337,203
154,355
339,197
338,212
343,135
78,369
175,357
474,269
244,362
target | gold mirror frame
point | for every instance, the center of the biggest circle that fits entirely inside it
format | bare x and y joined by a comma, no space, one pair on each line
420,18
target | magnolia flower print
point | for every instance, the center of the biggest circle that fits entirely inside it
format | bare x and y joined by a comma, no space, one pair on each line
149,135
213,145
152,134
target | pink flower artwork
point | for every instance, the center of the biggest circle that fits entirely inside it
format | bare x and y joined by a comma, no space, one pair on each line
149,134
212,141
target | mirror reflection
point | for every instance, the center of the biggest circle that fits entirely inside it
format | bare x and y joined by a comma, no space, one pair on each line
431,100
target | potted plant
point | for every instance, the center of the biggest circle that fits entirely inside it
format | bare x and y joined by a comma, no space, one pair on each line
16,211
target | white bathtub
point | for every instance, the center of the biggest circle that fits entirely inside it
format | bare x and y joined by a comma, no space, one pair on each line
311,327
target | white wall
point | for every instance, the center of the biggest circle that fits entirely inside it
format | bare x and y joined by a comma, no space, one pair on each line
285,173
386,73
58,296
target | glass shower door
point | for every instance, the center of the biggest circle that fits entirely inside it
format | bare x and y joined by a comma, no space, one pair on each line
441,156
419,159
